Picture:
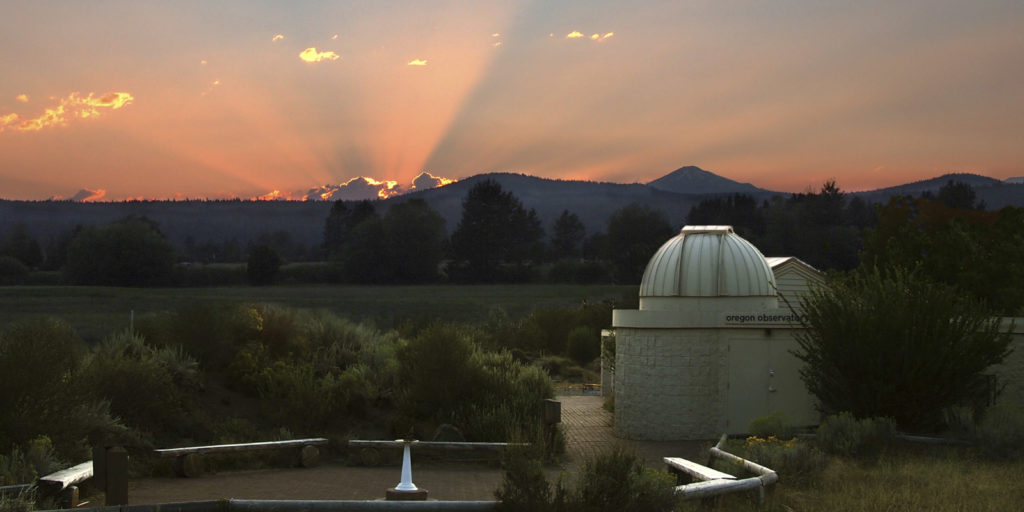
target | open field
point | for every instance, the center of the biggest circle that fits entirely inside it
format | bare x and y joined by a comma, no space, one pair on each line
95,312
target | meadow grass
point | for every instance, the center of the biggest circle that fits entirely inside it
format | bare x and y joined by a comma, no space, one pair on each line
916,478
95,312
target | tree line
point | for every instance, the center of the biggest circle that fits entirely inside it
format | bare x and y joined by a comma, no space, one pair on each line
499,240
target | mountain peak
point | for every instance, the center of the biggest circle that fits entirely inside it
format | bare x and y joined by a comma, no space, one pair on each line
691,179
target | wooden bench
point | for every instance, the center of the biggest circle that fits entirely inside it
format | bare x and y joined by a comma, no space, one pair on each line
62,484
188,461
696,472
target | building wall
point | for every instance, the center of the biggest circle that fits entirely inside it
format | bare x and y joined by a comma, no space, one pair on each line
1010,374
669,384
673,384
687,383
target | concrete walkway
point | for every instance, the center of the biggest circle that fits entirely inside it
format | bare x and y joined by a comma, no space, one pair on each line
587,429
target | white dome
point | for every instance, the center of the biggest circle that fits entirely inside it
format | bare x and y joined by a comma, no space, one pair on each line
708,261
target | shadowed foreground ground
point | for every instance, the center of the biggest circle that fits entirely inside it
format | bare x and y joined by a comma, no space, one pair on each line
587,431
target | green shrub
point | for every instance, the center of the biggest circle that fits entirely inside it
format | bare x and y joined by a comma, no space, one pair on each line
12,271
23,467
1000,434
773,425
294,395
524,485
614,481
843,434
314,370
24,502
584,344
618,481
553,326
39,358
147,387
437,372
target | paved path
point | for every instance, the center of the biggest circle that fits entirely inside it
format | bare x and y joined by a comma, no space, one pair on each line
587,430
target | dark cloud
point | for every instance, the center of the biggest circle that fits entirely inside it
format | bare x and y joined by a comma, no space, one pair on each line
426,181
86,195
356,189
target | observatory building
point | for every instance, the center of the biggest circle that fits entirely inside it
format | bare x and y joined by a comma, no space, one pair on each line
709,349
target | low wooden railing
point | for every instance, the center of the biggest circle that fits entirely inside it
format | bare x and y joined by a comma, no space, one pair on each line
188,461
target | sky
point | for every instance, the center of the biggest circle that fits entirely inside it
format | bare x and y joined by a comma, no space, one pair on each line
113,100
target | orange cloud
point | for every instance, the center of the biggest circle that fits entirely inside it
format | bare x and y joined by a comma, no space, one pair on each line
211,87
387,188
575,34
273,195
277,37
73,106
311,55
334,37
417,62
600,37
22,98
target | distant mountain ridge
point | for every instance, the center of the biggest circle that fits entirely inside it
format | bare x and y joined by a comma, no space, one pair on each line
196,222
694,180
995,193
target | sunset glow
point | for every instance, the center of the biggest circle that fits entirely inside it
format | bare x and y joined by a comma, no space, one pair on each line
74,106
324,101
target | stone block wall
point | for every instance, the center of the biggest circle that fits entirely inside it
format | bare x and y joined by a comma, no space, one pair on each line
670,384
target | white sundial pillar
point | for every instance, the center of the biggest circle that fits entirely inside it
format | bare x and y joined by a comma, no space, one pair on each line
406,483
406,490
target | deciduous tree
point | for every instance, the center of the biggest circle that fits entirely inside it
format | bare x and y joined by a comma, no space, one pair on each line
895,344
129,252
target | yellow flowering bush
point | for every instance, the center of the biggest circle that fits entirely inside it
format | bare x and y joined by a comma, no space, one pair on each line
791,459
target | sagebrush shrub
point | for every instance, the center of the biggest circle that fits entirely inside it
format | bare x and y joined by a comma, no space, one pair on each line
618,481
843,434
148,388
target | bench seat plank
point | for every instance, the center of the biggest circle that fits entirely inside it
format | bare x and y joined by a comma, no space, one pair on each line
240,447
451,445
56,482
697,471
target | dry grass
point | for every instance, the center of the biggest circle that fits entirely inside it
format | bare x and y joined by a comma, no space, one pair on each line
936,479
